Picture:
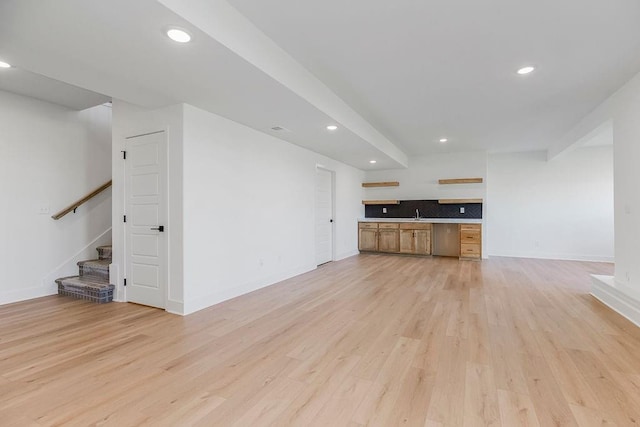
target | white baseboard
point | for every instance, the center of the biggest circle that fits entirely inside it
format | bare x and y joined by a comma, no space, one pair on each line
27,293
344,255
558,257
605,289
175,307
226,294
68,267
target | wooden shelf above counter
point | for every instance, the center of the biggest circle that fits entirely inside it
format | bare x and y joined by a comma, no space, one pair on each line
458,201
381,184
381,202
461,181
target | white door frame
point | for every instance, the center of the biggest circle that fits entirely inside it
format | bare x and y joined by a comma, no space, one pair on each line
332,173
124,205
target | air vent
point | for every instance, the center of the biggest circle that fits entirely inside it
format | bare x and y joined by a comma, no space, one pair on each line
280,129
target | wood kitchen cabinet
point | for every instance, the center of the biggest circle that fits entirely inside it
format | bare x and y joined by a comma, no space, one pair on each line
470,241
415,239
368,236
388,237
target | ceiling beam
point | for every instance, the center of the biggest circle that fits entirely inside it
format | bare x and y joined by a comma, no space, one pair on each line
221,21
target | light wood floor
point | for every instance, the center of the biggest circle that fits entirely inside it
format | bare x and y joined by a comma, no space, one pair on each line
371,340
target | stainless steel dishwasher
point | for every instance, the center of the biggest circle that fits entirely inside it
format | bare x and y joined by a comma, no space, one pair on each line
446,240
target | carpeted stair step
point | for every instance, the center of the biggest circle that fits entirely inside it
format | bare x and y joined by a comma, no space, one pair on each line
86,287
95,268
104,252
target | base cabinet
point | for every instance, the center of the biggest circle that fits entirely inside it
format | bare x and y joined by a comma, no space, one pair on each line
415,239
388,238
368,237
470,241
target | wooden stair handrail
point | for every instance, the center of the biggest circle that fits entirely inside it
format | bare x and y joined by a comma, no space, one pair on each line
76,204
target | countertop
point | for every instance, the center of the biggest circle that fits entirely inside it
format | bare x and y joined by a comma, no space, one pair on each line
429,220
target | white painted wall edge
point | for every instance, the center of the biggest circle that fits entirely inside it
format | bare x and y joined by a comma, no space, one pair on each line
344,255
559,257
68,267
192,306
174,307
604,289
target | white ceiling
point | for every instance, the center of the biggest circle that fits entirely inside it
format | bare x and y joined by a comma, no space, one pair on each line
26,83
409,71
419,70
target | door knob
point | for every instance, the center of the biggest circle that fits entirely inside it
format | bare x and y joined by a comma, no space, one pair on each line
160,228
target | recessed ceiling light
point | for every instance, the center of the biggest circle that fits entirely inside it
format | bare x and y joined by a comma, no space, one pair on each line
443,139
372,161
4,64
332,127
178,35
526,70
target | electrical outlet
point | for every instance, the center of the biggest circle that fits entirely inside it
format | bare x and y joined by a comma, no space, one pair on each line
384,210
43,210
461,210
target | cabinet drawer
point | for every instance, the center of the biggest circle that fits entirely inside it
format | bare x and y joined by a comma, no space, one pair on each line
469,249
476,227
414,226
469,236
388,225
367,225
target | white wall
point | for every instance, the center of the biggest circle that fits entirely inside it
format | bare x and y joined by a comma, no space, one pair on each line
249,209
561,209
420,180
622,109
240,205
49,157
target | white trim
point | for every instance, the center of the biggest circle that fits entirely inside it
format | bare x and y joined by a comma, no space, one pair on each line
175,307
69,267
18,295
342,256
557,257
227,294
604,289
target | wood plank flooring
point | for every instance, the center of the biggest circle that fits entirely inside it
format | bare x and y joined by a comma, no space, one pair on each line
372,340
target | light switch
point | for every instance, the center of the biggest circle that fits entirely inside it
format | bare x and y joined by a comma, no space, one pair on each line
462,210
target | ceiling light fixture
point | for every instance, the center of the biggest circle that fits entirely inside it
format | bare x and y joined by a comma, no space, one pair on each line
178,35
332,127
443,139
4,64
525,70
372,161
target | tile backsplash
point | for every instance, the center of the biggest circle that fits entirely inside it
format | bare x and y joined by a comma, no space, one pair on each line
427,208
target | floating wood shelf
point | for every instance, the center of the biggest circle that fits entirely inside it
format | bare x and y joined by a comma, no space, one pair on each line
381,184
381,202
458,201
461,181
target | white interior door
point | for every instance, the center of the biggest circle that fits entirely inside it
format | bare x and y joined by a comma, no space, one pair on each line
324,216
146,215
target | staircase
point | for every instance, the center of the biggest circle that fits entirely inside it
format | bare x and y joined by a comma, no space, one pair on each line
93,282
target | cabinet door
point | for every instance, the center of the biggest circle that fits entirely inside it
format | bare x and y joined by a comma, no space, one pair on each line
367,239
388,241
422,242
407,241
